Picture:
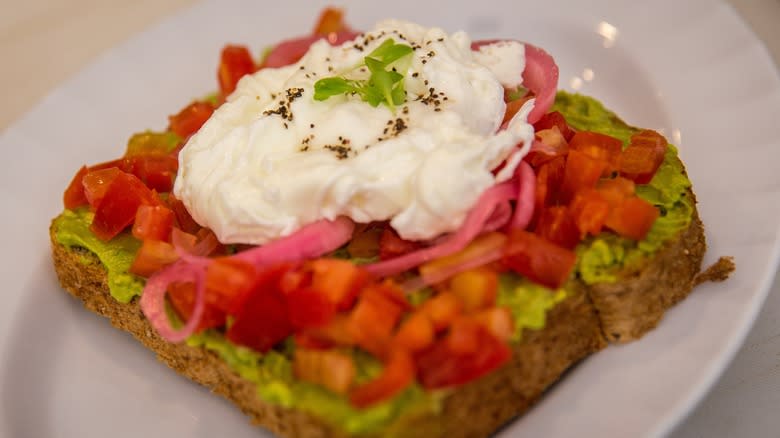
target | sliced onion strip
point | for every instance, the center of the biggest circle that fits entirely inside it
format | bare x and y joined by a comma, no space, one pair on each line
524,209
310,241
472,226
153,299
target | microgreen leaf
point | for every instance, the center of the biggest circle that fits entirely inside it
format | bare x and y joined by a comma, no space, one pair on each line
399,93
384,85
389,52
333,86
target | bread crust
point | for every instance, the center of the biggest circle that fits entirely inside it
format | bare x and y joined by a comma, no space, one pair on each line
477,409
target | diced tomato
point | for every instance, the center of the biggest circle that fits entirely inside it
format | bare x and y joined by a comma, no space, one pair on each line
304,339
309,307
442,366
497,321
644,155
96,183
588,211
599,147
295,279
338,280
476,288
235,62
638,164
538,259
632,218
373,319
415,334
120,202
582,171
331,369
615,190
549,182
464,336
190,119
397,374
156,171
392,246
549,144
291,51
152,256
557,225
227,279
74,195
153,222
442,309
261,316
182,298
393,292
183,218
338,332
207,243
331,20
183,240
649,139
556,119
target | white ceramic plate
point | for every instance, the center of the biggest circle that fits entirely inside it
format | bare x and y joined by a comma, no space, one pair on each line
691,69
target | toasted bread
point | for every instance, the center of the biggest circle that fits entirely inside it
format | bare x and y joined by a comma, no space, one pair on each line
591,315
571,333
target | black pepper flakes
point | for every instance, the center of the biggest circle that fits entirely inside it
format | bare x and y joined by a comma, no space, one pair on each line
283,109
342,152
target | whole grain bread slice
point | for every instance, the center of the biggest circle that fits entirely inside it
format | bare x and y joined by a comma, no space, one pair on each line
636,303
477,409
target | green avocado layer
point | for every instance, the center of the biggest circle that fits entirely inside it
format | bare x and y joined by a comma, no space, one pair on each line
72,230
272,371
600,259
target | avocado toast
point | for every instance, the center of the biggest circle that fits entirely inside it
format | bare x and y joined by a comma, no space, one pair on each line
618,291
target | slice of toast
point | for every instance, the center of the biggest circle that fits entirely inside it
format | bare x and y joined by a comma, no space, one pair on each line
635,304
477,409
581,324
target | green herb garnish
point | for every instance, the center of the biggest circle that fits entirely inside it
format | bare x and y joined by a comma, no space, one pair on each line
388,66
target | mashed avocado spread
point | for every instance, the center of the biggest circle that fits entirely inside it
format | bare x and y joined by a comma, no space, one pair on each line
72,230
598,260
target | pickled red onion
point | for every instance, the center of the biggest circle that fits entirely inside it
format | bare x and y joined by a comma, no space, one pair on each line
540,76
311,241
500,217
153,299
526,188
488,214
290,51
472,226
